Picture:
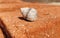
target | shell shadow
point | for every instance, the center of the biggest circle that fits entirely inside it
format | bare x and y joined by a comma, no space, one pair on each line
21,18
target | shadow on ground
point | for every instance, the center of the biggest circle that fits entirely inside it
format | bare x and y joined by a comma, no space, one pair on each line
21,18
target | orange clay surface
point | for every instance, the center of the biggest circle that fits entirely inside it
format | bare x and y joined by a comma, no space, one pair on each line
47,24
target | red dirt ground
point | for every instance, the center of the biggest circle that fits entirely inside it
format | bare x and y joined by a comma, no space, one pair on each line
46,26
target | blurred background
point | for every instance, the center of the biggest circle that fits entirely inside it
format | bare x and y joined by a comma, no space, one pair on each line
41,1
53,2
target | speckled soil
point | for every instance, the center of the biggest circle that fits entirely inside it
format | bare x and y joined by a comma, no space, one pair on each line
47,24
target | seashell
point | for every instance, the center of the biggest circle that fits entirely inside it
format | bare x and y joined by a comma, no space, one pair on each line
29,14
24,11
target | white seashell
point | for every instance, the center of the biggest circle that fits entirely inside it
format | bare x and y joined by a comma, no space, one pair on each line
24,11
29,13
32,15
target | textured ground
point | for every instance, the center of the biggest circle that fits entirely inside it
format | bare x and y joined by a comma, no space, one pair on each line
46,26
